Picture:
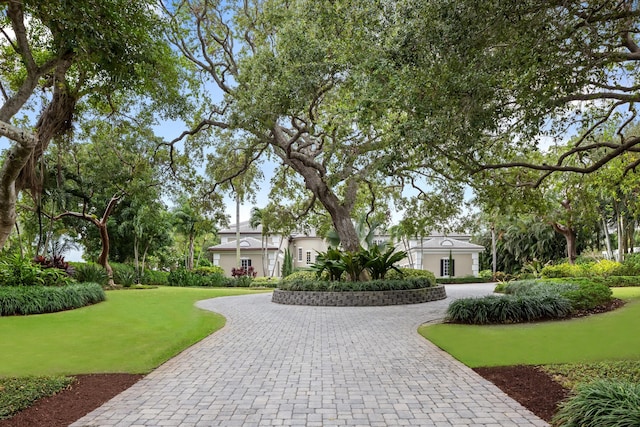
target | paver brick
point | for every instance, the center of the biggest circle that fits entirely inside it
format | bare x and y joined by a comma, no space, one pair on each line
276,365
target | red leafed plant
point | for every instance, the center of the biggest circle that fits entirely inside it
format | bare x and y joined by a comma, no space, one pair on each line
240,272
56,261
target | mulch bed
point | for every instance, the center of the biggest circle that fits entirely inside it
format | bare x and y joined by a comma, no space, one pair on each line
530,386
87,393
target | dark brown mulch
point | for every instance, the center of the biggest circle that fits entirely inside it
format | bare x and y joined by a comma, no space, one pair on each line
529,385
614,304
83,396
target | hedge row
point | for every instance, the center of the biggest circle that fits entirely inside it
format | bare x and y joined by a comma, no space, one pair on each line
46,299
460,280
371,285
404,273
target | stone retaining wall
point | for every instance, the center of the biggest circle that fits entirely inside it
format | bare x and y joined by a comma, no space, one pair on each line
355,299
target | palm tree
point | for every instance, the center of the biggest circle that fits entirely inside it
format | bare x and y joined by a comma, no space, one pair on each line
258,218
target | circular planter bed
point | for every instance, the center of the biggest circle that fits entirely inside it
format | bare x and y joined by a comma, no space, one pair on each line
359,298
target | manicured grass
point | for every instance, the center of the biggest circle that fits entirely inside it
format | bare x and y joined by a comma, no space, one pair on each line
608,336
132,332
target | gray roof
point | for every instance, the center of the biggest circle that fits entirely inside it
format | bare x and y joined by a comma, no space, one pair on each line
448,243
245,228
246,243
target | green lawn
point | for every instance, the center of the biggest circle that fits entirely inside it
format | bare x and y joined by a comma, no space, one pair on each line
133,331
609,336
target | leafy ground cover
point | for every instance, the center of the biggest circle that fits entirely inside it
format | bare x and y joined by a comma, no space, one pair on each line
607,336
132,332
19,393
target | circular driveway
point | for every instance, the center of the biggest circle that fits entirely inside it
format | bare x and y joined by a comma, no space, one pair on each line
281,365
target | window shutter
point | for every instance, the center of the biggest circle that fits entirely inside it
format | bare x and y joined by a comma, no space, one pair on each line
441,268
452,269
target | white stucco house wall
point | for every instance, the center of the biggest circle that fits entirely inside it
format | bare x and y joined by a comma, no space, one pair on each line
441,254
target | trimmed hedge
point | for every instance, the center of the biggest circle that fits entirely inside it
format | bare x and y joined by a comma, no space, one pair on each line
47,299
618,281
408,273
508,309
601,403
461,280
371,285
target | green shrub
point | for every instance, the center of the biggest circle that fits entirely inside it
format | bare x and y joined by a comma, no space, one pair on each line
460,280
583,293
237,282
265,282
183,277
123,274
486,274
48,299
500,287
300,274
564,270
603,268
17,394
209,270
155,277
16,270
630,266
620,281
588,295
571,374
304,284
602,403
508,309
408,273
90,272
212,276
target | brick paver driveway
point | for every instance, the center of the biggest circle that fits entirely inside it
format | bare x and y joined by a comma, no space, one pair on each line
275,365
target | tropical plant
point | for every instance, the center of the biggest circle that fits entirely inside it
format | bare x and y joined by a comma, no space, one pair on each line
91,272
330,261
378,263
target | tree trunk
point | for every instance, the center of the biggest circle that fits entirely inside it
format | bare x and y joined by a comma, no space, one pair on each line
191,251
494,252
103,259
607,238
315,179
570,237
136,262
14,161
622,249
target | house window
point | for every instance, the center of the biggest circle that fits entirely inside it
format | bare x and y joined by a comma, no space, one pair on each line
300,254
245,263
378,242
447,267
308,257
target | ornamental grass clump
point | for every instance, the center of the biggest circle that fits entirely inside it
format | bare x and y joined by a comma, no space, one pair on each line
15,300
601,403
508,309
